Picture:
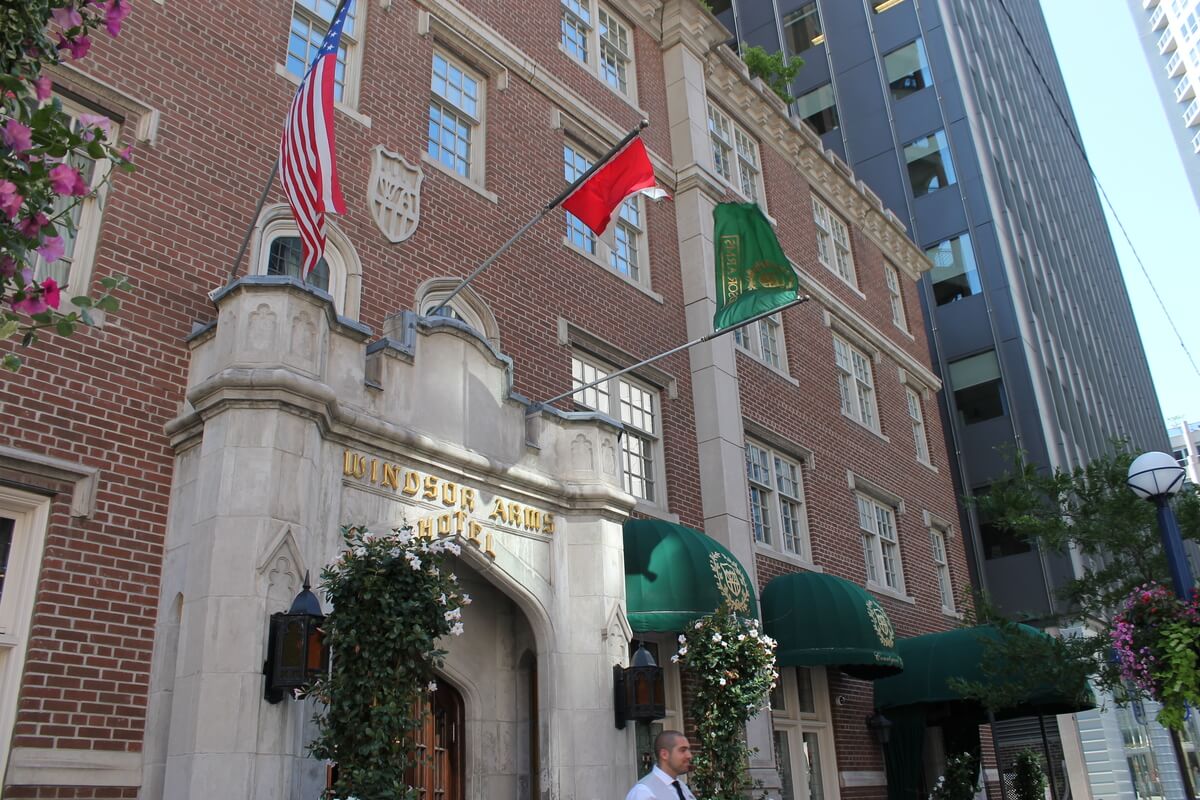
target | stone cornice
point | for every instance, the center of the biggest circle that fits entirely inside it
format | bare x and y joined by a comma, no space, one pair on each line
688,23
755,106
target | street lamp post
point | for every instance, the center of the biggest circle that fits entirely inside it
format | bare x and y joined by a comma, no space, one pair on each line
1157,477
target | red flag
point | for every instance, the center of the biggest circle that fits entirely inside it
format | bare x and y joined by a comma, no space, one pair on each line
626,173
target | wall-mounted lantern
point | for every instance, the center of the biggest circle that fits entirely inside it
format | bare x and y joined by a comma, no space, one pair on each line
296,651
639,690
880,727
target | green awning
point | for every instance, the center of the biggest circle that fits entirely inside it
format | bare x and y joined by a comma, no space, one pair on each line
820,619
931,660
674,575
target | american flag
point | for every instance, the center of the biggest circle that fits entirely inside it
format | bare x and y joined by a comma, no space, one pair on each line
307,167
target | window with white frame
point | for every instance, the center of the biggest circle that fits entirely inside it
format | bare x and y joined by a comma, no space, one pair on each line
454,136
627,252
597,38
941,564
803,734
895,297
920,442
833,242
78,218
310,23
764,340
279,252
856,383
735,155
636,406
881,544
777,512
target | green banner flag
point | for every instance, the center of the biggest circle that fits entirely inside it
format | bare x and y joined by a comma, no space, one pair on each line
753,274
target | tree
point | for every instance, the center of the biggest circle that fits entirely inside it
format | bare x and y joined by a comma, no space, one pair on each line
41,150
776,71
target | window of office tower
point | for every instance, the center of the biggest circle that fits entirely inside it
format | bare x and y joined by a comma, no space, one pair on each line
929,165
880,6
818,108
978,390
802,29
907,70
954,274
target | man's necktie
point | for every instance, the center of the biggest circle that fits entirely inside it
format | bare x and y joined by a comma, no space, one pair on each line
678,790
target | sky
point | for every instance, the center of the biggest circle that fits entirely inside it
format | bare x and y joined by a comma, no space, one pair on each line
1132,151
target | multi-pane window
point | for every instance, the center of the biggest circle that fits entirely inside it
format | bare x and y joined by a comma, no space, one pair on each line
918,425
764,340
625,252
818,108
284,257
856,383
802,29
937,543
895,296
907,70
79,227
977,387
803,736
954,274
595,37
881,544
454,117
310,23
929,164
735,154
636,406
776,493
833,242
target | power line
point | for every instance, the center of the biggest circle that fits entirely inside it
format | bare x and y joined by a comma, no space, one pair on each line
1071,132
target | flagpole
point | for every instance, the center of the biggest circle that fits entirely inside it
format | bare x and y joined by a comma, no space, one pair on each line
535,407
266,191
629,137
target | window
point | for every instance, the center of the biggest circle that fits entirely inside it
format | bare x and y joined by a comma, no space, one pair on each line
626,253
455,115
80,227
954,274
937,542
604,47
284,255
881,545
895,297
833,242
776,488
310,23
929,164
978,390
918,425
802,29
856,383
735,154
764,341
466,306
278,252
818,108
636,406
880,6
803,735
907,70
1181,457
998,541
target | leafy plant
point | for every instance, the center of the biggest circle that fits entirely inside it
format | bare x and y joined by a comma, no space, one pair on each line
776,71
960,780
392,600
42,150
733,665
1029,781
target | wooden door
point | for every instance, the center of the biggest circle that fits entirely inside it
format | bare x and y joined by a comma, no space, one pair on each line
439,771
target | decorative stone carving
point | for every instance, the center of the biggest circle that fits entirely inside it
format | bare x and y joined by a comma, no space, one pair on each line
394,194
608,457
280,570
304,336
581,454
260,333
617,634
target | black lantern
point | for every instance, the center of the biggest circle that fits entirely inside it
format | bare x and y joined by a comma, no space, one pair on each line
880,727
638,690
296,652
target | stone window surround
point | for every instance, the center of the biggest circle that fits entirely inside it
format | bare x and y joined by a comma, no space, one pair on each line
868,488
352,42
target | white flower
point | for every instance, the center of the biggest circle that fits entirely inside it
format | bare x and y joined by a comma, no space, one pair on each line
456,629
453,615
754,633
413,561
722,681
675,658
360,552
454,548
683,650
741,637
453,578
432,687
682,639
442,599
466,598
368,537
697,626
717,638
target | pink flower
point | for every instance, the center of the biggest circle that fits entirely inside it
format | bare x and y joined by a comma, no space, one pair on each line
52,249
51,293
10,200
127,153
17,136
30,304
8,267
30,226
66,180
41,87
77,47
96,121
66,17
115,11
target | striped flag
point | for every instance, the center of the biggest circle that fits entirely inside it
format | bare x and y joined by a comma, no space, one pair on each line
307,167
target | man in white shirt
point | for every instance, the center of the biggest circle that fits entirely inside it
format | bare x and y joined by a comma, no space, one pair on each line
674,756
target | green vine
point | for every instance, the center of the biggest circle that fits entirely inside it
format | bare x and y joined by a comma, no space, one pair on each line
733,665
775,71
1029,782
392,600
1179,653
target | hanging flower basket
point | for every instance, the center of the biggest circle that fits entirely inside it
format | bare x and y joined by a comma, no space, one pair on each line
1156,638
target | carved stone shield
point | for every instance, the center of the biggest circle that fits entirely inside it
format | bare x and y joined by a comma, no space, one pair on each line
394,194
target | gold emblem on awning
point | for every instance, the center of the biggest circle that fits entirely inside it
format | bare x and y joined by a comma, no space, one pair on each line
731,582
